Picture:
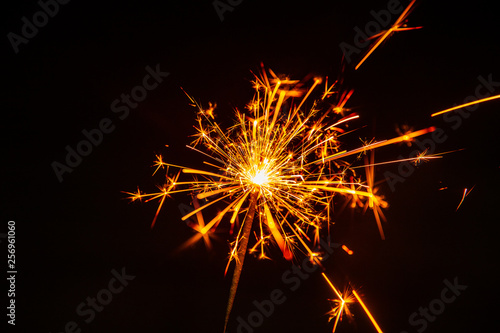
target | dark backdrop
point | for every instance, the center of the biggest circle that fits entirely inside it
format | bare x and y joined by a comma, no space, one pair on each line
72,234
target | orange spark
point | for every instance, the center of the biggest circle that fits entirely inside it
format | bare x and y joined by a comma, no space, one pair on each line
375,202
465,194
378,144
328,90
397,26
466,104
342,304
346,249
367,311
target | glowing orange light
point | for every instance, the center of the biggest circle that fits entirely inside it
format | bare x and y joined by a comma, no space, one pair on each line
346,249
367,311
464,195
466,104
397,26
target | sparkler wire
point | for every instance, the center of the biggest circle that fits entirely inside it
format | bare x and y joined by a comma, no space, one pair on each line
247,227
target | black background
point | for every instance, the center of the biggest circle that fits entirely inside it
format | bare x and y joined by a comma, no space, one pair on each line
71,234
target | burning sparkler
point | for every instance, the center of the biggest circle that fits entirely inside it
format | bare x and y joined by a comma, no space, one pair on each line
280,166
278,169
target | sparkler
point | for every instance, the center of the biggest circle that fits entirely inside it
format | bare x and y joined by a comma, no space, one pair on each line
280,165
464,195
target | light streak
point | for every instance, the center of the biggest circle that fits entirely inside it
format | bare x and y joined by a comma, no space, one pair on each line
482,100
464,195
347,250
367,311
341,304
399,25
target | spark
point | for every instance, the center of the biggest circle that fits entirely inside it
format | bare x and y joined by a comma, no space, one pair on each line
405,129
399,25
347,250
466,104
328,90
341,304
339,108
367,311
464,195
134,195
379,144
418,159
198,226
375,202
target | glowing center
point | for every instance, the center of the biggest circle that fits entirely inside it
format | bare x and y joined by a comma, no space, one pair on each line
260,178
